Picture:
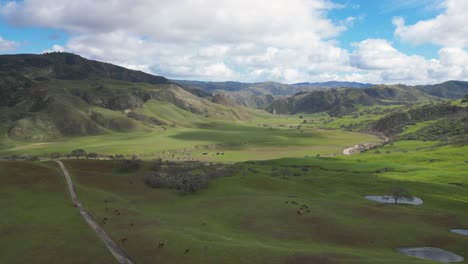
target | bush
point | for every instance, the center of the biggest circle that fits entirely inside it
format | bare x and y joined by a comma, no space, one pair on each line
184,182
157,165
31,158
119,157
191,184
187,177
92,155
128,165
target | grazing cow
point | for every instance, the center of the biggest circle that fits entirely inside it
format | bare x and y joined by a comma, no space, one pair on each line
123,240
161,245
186,251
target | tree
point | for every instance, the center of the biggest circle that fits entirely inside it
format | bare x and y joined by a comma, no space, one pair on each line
78,153
400,193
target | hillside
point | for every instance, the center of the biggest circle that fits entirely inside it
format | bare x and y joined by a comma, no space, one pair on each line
441,122
341,101
258,95
450,89
56,95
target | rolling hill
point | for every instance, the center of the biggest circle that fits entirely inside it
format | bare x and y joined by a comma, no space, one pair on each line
57,95
341,101
450,89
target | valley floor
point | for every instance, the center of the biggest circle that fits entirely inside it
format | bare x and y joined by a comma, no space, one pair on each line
216,141
253,216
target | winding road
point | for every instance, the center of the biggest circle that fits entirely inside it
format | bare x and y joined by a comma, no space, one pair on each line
121,257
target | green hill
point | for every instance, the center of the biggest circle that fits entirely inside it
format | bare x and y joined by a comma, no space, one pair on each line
450,89
341,101
44,97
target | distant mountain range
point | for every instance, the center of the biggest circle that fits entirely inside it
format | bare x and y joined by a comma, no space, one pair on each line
263,88
259,95
335,84
334,97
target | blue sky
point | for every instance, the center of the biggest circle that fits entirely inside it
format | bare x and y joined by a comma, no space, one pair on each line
380,41
374,20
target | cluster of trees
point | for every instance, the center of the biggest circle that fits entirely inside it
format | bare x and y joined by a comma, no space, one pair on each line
187,177
81,153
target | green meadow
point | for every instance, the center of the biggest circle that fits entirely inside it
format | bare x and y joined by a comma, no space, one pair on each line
38,222
292,199
237,141
252,216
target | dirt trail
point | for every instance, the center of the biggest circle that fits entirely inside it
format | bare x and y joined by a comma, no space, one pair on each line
121,257
358,148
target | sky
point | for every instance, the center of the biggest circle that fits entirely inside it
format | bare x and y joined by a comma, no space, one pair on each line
372,41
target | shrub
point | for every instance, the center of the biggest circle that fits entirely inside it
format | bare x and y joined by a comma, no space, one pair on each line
157,165
31,158
128,165
92,155
187,177
119,157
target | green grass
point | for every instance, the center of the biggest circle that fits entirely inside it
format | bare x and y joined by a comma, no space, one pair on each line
239,143
38,223
244,218
248,221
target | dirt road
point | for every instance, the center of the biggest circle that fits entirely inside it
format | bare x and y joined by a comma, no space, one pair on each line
121,257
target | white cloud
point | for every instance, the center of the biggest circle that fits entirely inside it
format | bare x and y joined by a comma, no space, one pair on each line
379,54
195,38
245,40
447,29
379,58
55,48
7,45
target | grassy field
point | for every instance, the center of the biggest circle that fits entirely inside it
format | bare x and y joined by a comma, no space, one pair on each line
38,223
245,218
238,142
286,205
